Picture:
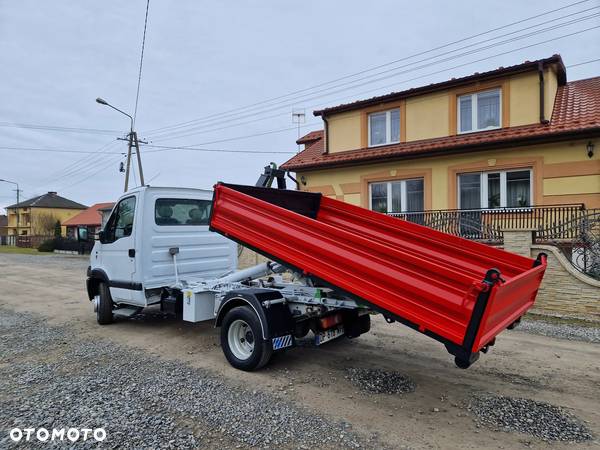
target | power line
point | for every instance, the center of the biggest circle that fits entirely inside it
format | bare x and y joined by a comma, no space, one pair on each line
58,150
236,138
137,95
87,176
65,170
58,128
389,85
583,63
50,150
162,148
82,164
374,68
356,84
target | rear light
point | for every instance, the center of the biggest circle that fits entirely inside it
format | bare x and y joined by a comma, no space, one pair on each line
330,321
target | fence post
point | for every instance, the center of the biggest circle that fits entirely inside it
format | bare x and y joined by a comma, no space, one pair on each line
518,240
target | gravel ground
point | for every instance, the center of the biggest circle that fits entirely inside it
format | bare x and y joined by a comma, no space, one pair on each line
542,420
53,379
378,381
68,262
561,331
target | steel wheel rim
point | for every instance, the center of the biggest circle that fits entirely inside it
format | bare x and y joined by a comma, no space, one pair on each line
240,339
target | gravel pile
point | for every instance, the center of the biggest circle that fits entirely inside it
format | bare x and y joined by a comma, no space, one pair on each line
51,378
377,381
561,331
542,420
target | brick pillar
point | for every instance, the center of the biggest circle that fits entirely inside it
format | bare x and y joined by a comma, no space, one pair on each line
518,241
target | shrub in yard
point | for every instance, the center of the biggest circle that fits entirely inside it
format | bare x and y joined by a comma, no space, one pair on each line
47,246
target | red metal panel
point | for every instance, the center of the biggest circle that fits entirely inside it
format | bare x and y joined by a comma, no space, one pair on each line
508,302
429,278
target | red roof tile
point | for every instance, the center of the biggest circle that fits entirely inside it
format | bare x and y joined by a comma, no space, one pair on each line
576,112
526,66
90,216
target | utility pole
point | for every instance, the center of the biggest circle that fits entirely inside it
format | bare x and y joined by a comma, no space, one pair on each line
18,200
132,141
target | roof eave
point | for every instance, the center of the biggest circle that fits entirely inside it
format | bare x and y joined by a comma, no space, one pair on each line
493,74
451,150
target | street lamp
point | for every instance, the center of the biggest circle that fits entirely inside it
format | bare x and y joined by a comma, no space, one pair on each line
105,103
132,141
18,201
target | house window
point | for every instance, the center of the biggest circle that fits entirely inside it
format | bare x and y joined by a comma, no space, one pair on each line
489,190
479,111
397,196
384,127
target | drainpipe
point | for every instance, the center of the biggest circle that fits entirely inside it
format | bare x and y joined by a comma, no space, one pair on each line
326,136
542,106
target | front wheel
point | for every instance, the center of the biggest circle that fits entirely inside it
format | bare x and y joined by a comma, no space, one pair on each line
242,341
104,306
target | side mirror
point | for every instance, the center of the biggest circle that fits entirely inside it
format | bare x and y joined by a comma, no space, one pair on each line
82,234
102,236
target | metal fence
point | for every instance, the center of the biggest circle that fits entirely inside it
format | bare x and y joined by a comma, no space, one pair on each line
572,228
487,225
31,241
578,238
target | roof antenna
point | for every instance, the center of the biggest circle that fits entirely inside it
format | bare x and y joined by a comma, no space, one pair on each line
298,117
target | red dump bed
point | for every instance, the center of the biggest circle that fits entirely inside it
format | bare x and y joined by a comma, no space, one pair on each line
458,291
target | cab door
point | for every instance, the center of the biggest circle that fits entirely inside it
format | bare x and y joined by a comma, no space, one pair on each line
118,250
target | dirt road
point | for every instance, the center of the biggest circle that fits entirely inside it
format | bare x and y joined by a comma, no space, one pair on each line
558,371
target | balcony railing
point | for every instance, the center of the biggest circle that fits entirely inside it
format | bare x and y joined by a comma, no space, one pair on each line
573,229
487,224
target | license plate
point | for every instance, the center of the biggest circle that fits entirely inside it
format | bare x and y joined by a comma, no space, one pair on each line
328,335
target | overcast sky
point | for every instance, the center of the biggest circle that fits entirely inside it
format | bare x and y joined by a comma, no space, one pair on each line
204,58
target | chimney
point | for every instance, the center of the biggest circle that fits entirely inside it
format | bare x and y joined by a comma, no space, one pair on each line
52,192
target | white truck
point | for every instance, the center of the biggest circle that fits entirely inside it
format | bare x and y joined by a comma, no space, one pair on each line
177,249
156,250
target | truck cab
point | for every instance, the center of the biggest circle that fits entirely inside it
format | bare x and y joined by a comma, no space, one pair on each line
132,254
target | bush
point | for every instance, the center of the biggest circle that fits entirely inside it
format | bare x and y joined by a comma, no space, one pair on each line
47,246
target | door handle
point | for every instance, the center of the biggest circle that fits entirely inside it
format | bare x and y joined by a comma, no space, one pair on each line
131,252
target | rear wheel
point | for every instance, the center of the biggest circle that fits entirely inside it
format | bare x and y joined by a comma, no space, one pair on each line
104,308
242,341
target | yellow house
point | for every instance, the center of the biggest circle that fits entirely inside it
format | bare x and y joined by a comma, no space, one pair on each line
514,137
38,216
510,157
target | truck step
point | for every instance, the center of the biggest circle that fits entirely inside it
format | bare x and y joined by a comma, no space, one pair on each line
126,312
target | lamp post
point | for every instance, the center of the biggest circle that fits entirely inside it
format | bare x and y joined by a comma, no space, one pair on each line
132,142
18,199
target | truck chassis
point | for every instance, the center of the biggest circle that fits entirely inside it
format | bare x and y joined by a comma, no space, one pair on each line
258,312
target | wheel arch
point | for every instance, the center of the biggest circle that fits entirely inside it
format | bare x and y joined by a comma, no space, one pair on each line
94,278
235,301
275,319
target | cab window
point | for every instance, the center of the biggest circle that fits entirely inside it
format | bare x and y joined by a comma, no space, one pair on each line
120,223
178,211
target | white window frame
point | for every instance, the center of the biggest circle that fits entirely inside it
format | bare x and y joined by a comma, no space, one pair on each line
474,111
388,127
403,198
483,200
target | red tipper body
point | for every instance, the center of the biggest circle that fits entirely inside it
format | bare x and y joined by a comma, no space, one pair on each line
458,291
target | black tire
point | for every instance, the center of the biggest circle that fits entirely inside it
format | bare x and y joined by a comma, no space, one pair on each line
262,351
104,311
